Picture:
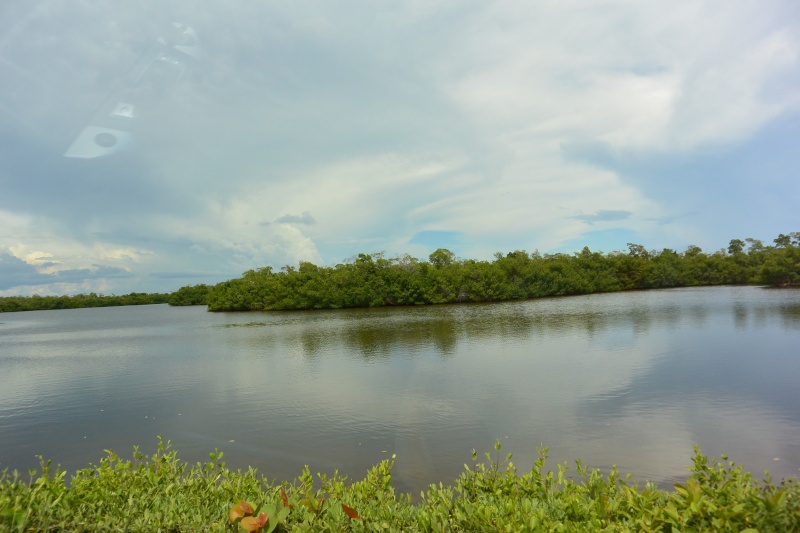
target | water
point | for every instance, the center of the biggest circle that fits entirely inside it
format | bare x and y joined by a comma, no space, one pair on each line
627,379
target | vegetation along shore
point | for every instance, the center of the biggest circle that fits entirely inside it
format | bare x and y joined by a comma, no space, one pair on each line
372,280
78,301
160,492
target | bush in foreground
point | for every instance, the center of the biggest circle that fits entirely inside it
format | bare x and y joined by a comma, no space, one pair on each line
159,492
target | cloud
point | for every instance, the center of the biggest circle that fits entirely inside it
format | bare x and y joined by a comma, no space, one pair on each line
498,122
15,272
437,238
604,240
669,219
305,218
705,187
604,215
196,277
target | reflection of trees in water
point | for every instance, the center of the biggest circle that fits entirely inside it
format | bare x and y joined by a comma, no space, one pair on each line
699,314
443,330
445,337
376,333
761,315
382,340
312,342
790,315
740,314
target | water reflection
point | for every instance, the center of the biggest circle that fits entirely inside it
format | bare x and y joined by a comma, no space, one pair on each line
381,332
630,379
790,315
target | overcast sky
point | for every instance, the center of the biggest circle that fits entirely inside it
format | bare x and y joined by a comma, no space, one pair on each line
269,132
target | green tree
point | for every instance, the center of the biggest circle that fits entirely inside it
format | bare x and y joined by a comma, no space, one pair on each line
665,270
442,257
782,267
190,295
755,245
736,246
371,280
782,241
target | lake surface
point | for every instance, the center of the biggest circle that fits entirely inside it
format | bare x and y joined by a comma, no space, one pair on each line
632,379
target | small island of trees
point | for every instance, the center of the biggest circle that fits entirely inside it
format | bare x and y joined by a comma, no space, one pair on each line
77,301
372,280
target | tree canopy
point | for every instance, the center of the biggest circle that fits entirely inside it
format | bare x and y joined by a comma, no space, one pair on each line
76,301
372,280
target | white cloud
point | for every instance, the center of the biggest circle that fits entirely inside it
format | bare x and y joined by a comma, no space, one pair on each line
632,74
126,255
382,122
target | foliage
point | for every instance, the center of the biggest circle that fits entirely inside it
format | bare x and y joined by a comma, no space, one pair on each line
39,303
190,295
372,280
161,493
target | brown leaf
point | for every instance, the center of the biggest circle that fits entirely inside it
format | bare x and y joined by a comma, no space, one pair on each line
240,510
249,523
253,524
236,512
349,511
284,498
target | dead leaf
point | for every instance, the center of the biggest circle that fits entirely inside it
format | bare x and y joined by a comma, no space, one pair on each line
349,511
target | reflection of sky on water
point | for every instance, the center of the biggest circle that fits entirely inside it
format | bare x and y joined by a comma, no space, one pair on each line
630,379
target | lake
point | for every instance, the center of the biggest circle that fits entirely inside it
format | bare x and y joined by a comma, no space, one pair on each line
628,379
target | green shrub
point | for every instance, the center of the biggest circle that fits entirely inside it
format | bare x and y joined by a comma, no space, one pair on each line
159,492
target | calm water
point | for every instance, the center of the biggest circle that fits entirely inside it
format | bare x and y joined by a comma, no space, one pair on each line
630,379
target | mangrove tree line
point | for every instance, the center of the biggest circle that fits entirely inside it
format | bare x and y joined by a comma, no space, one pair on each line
77,301
372,280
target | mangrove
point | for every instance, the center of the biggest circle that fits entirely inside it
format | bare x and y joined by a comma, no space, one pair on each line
373,280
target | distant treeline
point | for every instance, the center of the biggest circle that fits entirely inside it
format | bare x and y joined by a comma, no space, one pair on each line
38,303
190,295
372,280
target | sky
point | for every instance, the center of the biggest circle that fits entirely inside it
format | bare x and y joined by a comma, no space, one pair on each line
228,136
